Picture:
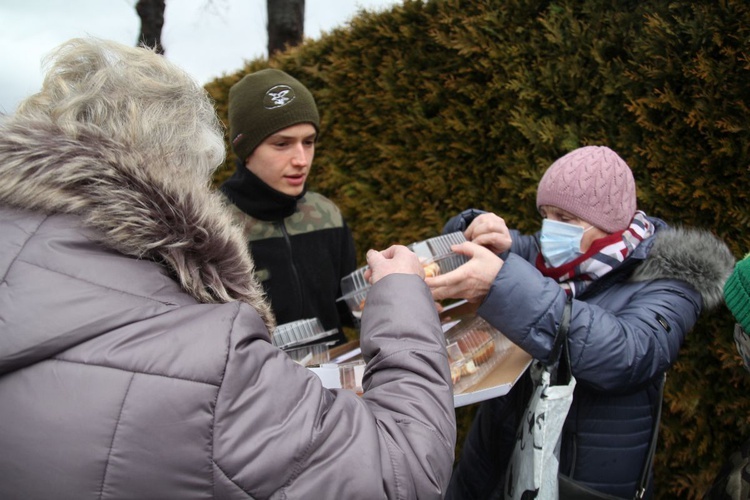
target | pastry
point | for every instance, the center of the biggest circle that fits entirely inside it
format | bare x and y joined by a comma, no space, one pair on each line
478,345
469,368
431,270
455,373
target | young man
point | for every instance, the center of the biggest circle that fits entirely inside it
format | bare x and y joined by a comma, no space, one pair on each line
299,240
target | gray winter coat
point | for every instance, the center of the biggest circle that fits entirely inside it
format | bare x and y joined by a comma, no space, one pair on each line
626,330
126,371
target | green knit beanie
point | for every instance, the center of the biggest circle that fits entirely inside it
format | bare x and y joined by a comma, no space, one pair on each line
264,102
737,293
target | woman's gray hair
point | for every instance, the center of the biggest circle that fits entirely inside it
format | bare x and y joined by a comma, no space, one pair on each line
135,97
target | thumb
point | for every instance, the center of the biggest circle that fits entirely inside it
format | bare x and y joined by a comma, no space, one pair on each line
466,248
373,257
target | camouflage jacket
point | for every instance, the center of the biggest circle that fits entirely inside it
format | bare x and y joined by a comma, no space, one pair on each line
301,259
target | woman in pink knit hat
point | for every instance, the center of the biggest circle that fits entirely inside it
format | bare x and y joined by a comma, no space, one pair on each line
634,288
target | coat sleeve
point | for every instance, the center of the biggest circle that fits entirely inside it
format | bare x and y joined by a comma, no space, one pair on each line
279,433
616,344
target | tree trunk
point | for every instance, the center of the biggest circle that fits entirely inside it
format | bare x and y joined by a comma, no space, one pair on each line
151,13
286,24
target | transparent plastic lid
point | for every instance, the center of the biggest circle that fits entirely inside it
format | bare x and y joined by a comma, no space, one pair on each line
436,254
301,332
474,349
354,282
351,375
354,289
310,355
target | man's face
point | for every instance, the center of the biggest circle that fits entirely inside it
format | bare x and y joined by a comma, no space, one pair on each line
283,160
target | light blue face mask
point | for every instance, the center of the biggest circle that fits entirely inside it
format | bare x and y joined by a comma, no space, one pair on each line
561,242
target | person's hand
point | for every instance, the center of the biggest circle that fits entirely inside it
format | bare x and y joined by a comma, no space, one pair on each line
490,231
470,281
395,259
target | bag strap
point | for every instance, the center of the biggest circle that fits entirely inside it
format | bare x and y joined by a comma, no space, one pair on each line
560,374
559,363
643,483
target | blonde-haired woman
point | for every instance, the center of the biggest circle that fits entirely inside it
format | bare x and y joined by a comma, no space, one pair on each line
135,359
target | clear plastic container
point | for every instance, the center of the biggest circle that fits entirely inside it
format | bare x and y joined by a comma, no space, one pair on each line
351,375
300,333
475,348
310,355
354,289
434,253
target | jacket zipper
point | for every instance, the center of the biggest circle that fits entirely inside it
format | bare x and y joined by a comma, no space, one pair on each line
295,273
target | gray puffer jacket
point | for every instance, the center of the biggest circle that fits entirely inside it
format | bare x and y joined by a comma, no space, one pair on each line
626,331
135,364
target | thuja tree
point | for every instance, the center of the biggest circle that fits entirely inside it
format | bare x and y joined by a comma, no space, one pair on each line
437,106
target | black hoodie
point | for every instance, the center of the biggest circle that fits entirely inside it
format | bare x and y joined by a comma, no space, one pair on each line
301,246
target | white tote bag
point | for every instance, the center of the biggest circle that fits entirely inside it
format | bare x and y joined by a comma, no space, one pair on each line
533,466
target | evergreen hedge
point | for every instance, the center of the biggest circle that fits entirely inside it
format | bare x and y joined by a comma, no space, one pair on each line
436,106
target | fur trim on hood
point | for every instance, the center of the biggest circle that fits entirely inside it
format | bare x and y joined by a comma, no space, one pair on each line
692,255
140,209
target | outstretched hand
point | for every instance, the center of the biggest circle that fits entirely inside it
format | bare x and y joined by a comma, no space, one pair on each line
392,260
472,280
490,231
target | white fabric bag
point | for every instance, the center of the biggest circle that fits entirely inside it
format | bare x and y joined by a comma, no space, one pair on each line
533,466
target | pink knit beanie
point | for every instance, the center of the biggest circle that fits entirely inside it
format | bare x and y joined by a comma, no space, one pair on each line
594,184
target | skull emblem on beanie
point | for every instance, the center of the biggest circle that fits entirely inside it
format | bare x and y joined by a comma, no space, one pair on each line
278,96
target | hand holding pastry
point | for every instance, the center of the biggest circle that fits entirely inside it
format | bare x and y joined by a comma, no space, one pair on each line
470,281
392,260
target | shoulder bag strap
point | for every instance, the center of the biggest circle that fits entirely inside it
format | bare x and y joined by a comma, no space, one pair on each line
643,484
559,362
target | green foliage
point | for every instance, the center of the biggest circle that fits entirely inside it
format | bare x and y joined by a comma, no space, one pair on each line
436,106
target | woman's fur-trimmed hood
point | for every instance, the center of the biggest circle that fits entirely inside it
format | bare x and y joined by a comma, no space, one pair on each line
692,255
140,209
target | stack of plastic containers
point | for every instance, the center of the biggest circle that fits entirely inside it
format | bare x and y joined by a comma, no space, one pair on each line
305,341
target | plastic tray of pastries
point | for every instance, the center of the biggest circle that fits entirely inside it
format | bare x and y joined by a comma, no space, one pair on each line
484,363
434,253
475,348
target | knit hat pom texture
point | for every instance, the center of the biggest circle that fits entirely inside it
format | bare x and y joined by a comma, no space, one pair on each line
737,293
594,184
